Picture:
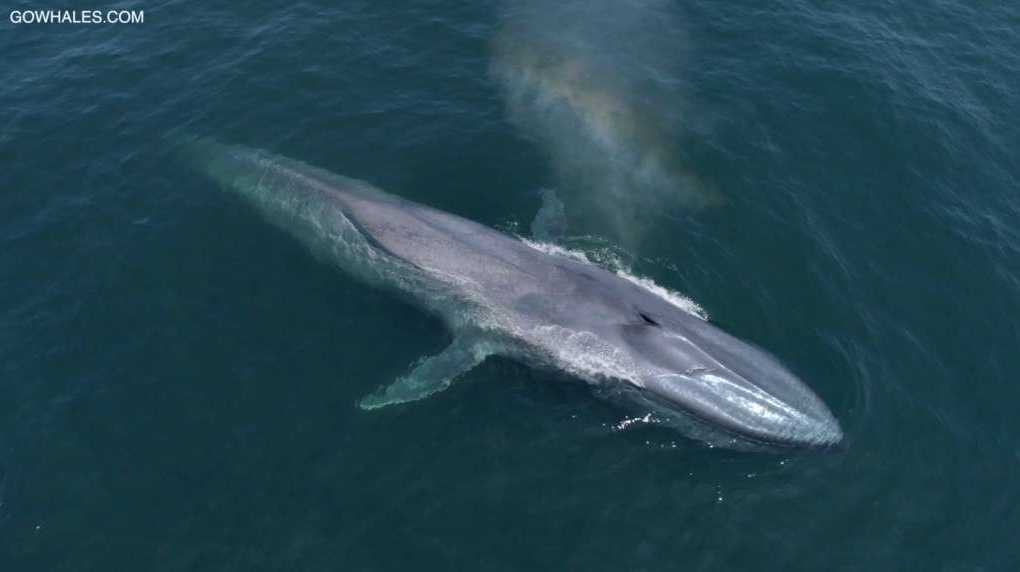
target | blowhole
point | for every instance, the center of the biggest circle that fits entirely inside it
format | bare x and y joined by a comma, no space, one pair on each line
648,319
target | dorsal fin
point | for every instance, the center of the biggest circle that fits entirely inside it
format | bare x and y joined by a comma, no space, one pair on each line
550,223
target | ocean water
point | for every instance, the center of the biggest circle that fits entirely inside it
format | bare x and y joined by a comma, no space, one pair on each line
178,380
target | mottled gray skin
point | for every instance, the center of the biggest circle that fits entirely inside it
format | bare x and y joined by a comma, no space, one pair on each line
500,295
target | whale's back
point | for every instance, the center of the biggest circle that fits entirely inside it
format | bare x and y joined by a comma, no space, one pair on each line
354,221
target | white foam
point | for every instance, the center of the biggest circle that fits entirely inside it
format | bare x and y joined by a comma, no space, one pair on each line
585,354
675,298
556,250
645,419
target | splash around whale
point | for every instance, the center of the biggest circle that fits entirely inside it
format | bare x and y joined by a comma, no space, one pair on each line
501,295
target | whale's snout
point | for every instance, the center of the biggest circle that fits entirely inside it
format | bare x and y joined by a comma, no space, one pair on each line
740,408
697,370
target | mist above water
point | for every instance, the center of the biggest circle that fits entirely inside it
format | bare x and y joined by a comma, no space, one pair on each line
598,85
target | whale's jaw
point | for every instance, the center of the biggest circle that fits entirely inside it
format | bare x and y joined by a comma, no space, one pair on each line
742,411
689,366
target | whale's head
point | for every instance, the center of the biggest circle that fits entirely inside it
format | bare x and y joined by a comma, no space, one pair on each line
696,371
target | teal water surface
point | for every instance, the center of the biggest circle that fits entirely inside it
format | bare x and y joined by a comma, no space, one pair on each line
178,380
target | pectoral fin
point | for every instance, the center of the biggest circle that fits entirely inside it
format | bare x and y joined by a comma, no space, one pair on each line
431,375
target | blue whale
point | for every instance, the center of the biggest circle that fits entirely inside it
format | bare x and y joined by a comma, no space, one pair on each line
502,295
